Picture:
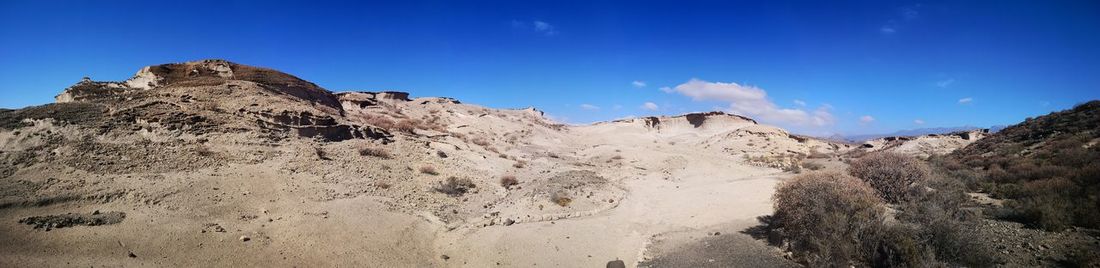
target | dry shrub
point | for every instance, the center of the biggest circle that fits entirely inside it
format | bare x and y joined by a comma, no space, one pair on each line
894,176
455,186
897,246
375,152
480,141
561,198
812,165
518,164
826,216
379,121
407,125
321,154
430,170
507,181
617,157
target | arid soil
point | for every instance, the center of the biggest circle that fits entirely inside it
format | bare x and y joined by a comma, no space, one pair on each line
213,163
216,163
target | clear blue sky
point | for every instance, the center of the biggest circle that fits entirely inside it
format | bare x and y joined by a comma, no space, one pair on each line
824,65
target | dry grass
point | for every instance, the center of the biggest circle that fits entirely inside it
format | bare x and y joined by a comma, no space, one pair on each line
561,198
507,181
407,125
383,185
375,152
455,186
896,177
519,164
480,141
430,170
321,154
379,121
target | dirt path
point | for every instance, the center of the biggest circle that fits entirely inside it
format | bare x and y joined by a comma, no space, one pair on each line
684,193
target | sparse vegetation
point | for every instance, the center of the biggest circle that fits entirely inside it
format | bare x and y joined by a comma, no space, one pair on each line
827,216
375,152
561,198
519,164
479,141
455,186
1046,167
812,165
321,154
379,121
507,181
430,170
407,125
895,177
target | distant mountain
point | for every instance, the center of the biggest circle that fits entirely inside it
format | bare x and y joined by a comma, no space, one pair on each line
911,132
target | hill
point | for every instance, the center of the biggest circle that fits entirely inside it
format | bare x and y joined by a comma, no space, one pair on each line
1049,166
214,162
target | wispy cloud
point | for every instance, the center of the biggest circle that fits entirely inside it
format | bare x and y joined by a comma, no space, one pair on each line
905,15
537,26
866,119
667,89
752,101
589,107
800,103
966,100
650,106
945,83
638,84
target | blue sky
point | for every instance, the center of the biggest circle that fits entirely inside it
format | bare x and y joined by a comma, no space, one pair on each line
815,67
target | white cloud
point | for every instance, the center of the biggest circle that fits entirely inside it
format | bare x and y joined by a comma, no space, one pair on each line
544,27
918,122
667,89
589,107
945,83
866,119
538,26
638,84
753,102
800,103
650,106
966,100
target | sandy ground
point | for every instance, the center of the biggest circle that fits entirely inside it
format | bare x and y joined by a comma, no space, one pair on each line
226,173
704,192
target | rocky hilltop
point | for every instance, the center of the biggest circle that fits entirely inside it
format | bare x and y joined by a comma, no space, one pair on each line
214,162
924,146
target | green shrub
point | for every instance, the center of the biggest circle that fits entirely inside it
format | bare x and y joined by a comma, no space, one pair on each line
895,177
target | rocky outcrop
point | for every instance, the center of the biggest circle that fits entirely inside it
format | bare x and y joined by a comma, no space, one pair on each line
204,73
323,127
925,145
652,122
697,119
358,101
87,90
